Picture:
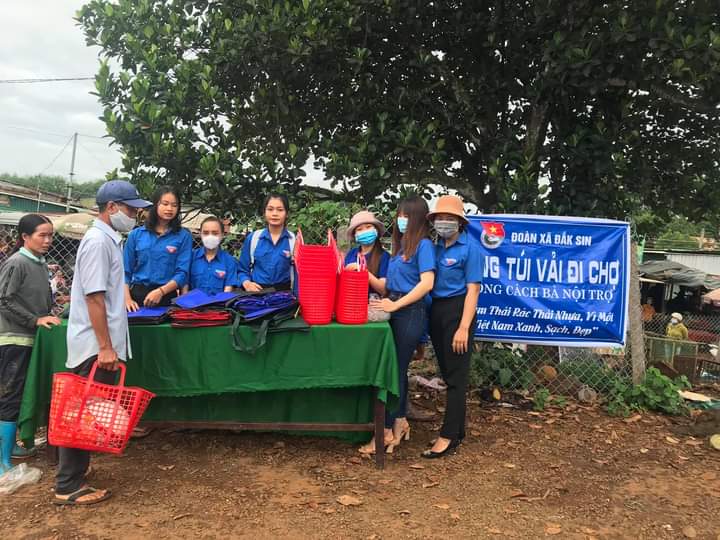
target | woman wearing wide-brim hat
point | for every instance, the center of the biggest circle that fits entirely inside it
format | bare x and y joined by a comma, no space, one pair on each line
452,316
366,231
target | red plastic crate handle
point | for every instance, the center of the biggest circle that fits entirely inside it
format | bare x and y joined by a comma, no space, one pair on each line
93,369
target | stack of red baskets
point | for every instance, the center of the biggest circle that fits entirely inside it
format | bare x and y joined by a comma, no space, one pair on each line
317,268
352,297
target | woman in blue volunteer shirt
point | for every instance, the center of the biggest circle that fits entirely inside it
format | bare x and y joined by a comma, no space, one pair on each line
409,279
212,270
458,271
157,255
266,257
366,230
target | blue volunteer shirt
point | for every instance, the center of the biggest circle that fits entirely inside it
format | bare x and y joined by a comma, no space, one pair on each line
272,261
213,276
154,260
351,257
402,275
456,266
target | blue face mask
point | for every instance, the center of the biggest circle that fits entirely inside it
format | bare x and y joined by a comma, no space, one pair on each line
402,223
365,238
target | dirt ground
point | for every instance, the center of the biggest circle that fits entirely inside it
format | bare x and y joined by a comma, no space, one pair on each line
572,473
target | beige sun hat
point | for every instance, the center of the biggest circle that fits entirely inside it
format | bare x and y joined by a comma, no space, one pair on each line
362,218
449,204
677,316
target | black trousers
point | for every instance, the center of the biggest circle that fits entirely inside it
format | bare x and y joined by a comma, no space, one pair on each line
284,286
74,463
14,361
445,316
139,292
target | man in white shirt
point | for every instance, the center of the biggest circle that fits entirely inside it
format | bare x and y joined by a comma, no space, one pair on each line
97,328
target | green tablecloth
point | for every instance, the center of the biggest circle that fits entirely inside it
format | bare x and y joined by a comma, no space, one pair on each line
325,375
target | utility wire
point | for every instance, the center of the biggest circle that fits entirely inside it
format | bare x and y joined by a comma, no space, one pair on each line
31,130
97,159
103,138
58,79
56,157
63,135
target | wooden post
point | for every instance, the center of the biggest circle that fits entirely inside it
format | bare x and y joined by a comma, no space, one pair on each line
379,418
636,331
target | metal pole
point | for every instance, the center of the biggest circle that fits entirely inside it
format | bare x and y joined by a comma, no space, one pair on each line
635,327
72,173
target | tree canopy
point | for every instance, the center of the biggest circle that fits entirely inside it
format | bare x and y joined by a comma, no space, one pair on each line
561,106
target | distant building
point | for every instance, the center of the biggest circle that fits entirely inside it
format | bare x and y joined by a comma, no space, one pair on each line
705,261
14,198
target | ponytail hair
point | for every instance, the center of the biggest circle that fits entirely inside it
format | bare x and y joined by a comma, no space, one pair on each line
27,225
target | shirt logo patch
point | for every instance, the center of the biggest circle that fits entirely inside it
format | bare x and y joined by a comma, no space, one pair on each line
220,273
449,262
286,253
171,249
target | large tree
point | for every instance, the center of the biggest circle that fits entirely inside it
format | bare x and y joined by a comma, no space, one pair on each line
568,106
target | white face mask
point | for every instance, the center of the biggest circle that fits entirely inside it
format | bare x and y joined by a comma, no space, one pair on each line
121,222
210,241
674,321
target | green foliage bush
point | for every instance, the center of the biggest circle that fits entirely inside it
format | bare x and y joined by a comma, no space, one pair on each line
493,366
657,392
540,399
316,218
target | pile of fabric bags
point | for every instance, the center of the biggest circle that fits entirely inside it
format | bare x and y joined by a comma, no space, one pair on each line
262,313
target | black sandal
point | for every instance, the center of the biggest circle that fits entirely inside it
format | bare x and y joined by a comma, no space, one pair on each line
72,500
451,448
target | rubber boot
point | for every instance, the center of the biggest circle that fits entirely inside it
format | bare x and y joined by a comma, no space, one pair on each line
7,443
20,452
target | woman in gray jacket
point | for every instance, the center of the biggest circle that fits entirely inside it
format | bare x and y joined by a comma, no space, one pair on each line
25,303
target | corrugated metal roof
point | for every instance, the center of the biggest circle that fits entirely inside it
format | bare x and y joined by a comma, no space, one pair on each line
709,264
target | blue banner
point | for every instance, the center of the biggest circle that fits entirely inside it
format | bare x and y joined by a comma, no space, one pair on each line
553,280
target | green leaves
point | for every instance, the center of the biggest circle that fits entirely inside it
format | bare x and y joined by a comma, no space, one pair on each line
492,366
656,393
572,108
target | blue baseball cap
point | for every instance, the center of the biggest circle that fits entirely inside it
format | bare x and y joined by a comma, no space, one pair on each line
120,191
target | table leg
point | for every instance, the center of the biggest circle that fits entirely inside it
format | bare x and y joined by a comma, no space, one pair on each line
379,433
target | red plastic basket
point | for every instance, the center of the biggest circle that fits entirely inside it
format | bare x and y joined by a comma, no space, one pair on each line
352,297
89,415
317,300
317,268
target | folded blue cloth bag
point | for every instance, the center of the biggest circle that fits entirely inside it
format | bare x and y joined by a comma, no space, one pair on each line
148,315
198,299
265,314
252,308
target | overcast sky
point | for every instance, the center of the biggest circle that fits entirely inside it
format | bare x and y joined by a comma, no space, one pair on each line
40,39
